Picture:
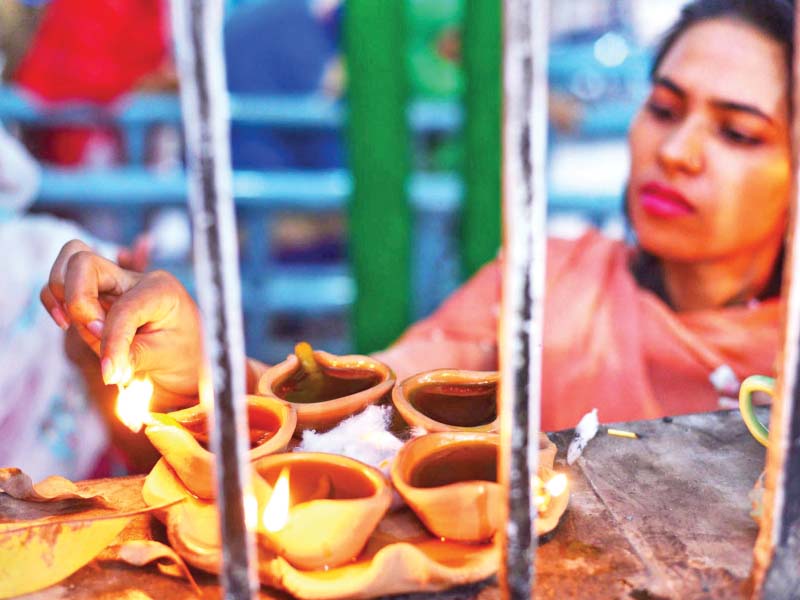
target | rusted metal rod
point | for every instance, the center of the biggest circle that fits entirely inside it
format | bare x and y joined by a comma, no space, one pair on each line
524,213
197,27
776,571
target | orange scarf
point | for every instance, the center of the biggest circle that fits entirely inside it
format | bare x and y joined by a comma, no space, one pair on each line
611,345
607,343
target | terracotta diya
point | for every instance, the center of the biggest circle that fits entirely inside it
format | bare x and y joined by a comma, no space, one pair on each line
449,479
324,388
449,400
182,439
400,556
323,507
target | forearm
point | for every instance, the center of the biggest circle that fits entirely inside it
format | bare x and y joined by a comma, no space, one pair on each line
423,353
461,334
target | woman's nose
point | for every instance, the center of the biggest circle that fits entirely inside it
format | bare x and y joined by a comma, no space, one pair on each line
682,149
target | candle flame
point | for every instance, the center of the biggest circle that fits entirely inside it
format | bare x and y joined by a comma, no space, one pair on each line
276,512
556,485
544,492
250,510
133,403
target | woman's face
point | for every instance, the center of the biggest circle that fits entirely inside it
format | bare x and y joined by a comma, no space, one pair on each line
710,165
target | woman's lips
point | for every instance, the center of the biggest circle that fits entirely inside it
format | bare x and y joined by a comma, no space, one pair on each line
663,201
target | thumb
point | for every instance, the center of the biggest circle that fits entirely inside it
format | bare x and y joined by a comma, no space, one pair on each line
141,307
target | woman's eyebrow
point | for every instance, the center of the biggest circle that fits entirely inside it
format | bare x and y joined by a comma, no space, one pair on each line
668,83
673,87
746,108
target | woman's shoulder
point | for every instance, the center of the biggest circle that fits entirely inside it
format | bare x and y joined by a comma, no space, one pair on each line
589,242
592,249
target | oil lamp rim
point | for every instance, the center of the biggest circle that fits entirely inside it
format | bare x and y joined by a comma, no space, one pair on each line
287,417
320,415
415,417
429,445
381,485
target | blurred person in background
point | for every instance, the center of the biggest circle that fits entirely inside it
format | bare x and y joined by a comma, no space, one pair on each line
289,48
636,331
283,48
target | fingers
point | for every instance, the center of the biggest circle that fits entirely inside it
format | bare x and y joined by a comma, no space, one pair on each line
52,294
86,277
56,309
146,309
59,269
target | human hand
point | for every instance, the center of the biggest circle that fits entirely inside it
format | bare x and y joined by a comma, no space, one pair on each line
135,322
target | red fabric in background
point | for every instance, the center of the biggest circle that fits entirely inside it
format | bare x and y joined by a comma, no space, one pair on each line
94,49
90,50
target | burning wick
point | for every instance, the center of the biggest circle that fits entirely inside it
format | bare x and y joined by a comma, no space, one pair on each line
276,512
545,492
133,404
556,485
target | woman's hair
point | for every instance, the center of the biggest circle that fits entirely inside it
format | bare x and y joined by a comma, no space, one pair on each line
775,18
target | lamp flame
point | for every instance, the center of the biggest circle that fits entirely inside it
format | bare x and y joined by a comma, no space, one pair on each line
556,485
133,403
250,510
276,512
544,492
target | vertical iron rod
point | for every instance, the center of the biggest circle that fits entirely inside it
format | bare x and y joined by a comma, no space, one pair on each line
776,572
197,27
524,214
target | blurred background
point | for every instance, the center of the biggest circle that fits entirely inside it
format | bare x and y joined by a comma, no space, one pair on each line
365,142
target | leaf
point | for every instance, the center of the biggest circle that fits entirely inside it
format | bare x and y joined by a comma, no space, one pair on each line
37,554
17,484
142,552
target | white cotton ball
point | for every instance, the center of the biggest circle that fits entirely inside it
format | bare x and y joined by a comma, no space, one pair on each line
364,437
584,431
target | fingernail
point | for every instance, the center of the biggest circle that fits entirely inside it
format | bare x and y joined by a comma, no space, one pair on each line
127,375
60,318
107,368
95,327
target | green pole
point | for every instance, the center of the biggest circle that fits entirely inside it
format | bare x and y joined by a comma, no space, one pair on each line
480,225
379,147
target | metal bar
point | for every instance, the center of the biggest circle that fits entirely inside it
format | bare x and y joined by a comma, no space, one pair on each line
776,571
198,41
524,213
480,220
378,132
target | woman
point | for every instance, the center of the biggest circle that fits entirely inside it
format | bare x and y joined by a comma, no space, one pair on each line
708,199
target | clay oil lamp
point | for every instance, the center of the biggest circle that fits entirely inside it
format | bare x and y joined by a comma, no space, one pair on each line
449,479
181,437
322,509
324,388
449,400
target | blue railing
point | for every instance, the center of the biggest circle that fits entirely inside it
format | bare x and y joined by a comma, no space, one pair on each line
134,188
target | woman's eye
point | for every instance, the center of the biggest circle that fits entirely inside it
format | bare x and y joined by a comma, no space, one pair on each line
660,111
738,137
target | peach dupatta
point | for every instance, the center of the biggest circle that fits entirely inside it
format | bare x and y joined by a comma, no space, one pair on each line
607,343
